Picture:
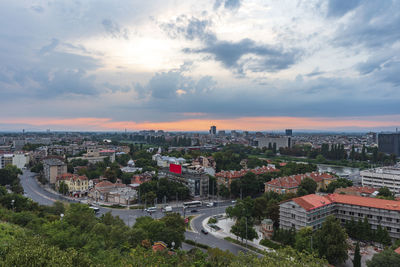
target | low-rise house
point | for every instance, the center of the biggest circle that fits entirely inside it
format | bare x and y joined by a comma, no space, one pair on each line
364,191
78,186
113,193
290,184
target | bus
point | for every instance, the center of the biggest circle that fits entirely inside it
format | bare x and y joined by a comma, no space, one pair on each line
192,204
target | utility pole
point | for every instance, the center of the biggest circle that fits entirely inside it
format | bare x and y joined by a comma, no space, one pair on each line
246,232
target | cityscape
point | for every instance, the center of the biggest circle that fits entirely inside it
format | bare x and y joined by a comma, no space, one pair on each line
220,133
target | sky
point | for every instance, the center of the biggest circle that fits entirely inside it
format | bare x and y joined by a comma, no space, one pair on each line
258,65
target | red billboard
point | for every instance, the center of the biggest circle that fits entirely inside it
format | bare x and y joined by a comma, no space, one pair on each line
175,168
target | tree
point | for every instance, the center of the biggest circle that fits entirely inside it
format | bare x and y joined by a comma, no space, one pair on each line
244,229
339,183
385,192
387,258
63,188
306,187
331,241
357,256
303,239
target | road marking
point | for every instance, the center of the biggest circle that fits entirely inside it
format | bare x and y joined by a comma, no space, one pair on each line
40,194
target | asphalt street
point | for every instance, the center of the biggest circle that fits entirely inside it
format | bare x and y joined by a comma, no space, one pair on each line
38,194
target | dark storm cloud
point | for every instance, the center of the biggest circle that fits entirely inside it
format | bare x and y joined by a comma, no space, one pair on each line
114,30
337,8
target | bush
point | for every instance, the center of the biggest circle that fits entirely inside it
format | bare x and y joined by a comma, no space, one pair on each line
212,220
269,244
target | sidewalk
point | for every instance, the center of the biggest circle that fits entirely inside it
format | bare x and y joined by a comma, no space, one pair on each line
225,232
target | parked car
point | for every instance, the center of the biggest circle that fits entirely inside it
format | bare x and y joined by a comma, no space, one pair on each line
194,210
204,231
210,205
234,201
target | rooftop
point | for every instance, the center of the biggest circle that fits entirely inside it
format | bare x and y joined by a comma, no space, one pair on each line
365,201
312,201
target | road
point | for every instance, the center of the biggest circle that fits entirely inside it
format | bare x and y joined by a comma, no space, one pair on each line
43,197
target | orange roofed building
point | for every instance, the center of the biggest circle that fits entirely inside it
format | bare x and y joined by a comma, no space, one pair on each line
77,185
226,177
289,184
312,210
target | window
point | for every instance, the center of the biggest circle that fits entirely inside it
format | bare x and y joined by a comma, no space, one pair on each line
389,228
360,215
369,216
293,216
388,219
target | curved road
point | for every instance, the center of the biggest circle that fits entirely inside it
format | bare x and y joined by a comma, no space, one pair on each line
34,191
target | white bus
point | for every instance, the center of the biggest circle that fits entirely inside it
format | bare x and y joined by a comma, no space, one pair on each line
192,204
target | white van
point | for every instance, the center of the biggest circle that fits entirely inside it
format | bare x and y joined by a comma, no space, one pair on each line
151,209
168,209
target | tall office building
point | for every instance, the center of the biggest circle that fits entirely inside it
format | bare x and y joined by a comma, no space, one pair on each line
213,130
389,143
289,132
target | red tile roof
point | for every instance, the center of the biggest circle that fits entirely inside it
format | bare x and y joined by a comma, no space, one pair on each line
293,181
359,189
366,201
312,201
241,173
68,176
397,250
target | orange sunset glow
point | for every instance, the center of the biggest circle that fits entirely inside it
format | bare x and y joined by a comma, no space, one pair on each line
243,123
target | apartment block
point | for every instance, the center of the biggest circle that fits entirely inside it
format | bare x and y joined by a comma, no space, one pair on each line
311,210
382,177
52,168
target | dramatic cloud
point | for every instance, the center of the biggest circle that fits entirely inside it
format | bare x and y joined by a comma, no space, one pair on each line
114,29
229,4
337,8
99,64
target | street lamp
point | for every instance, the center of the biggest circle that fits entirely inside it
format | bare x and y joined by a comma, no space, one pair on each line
61,216
12,203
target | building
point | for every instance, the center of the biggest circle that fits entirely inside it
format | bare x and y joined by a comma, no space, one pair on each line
288,132
277,142
312,210
213,130
267,228
290,184
389,143
20,160
363,191
52,168
18,144
113,193
227,177
78,186
196,181
6,159
381,177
